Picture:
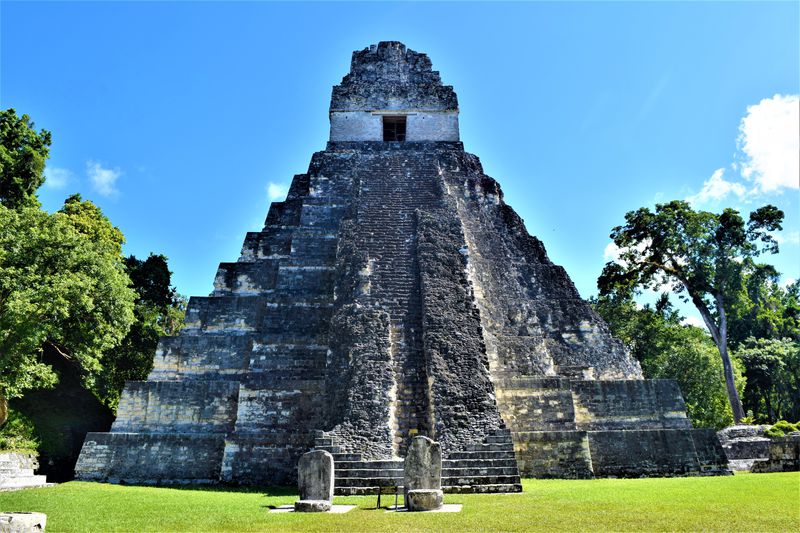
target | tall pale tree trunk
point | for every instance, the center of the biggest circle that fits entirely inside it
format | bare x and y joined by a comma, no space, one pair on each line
720,335
727,365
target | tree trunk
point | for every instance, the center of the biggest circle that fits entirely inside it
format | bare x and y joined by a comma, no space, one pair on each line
727,365
3,409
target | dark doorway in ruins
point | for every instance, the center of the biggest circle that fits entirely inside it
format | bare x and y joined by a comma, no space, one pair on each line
394,128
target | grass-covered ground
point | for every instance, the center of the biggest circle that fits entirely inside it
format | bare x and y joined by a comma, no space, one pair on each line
745,502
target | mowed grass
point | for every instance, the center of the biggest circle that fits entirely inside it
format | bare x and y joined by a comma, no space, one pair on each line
745,502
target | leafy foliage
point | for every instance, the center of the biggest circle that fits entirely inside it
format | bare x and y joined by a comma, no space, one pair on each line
159,312
63,289
703,257
772,368
23,153
666,349
763,309
18,433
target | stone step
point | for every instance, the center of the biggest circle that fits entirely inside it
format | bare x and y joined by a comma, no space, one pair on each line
354,457
481,455
490,488
448,489
508,447
15,472
480,471
23,482
366,473
367,482
479,480
482,463
351,465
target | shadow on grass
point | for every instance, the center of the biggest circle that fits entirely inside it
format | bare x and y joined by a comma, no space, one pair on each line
267,491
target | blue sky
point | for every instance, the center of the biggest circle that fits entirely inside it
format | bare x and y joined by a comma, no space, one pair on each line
178,119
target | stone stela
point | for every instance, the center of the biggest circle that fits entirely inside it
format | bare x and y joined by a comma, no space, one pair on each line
393,294
422,475
315,482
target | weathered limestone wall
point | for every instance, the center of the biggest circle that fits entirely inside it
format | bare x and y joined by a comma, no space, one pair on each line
536,403
461,391
784,455
151,458
553,454
177,407
420,125
533,317
629,404
651,452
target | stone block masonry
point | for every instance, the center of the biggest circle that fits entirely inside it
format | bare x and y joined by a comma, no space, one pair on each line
394,294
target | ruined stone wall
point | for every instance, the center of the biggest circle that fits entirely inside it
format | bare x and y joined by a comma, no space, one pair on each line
390,76
534,319
421,125
460,389
629,404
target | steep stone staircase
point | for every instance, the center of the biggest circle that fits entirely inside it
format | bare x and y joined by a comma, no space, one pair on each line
489,466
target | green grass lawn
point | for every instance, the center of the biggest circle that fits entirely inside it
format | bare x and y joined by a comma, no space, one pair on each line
745,502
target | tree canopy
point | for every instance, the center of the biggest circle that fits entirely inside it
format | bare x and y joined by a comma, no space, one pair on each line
23,153
701,256
63,288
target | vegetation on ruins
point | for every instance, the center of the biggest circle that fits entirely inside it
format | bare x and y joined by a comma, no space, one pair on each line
703,257
73,309
744,502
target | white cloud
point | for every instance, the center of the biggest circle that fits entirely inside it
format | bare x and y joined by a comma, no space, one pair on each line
770,143
56,178
277,191
103,179
694,321
611,253
785,282
791,237
715,189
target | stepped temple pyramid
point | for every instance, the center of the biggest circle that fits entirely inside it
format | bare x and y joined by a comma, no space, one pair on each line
393,294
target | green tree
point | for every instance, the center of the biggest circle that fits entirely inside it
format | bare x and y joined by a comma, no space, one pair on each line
159,312
667,349
64,293
702,255
23,153
772,368
762,308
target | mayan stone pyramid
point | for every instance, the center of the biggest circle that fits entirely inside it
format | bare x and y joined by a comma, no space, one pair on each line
393,294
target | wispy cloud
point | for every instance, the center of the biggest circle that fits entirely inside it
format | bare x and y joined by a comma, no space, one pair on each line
277,191
790,237
715,189
103,179
56,178
769,141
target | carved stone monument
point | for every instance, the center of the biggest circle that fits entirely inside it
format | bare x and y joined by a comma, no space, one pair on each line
315,481
422,475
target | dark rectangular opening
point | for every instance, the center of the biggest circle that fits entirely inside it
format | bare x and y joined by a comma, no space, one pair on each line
394,128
